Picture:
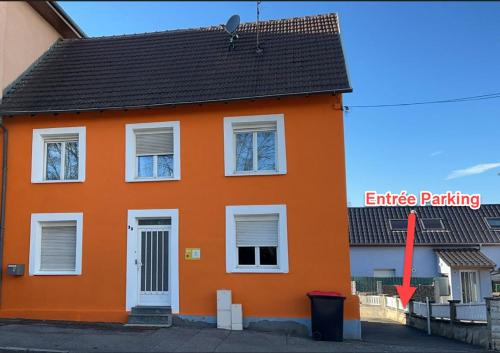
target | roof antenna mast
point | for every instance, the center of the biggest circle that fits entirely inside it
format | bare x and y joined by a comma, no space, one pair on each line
259,49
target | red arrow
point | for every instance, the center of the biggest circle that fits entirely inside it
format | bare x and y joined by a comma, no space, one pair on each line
406,291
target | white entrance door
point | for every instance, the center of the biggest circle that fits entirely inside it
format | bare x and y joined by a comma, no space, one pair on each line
152,265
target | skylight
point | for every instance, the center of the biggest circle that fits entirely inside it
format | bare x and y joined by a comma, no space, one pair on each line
432,224
494,223
398,224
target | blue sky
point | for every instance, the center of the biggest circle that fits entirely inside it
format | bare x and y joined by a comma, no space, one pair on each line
396,52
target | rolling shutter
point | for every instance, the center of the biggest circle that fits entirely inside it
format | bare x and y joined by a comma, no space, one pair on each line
58,247
258,230
155,142
256,126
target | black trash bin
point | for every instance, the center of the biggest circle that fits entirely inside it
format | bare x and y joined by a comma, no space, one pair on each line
327,315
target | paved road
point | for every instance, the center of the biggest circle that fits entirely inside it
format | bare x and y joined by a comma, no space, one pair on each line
379,337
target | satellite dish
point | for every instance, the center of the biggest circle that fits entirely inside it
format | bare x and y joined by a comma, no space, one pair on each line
232,24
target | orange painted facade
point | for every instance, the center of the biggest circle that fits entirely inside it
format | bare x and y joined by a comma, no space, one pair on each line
313,189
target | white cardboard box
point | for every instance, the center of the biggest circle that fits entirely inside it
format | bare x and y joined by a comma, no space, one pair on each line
236,314
236,327
224,319
224,299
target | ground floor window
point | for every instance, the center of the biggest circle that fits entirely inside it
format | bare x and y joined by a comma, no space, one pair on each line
56,244
256,239
469,282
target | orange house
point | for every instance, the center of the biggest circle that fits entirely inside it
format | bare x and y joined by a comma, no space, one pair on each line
151,170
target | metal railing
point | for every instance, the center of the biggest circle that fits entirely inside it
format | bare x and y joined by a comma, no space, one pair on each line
471,312
369,299
474,312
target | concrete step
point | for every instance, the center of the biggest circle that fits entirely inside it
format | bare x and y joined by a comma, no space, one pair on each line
154,316
147,310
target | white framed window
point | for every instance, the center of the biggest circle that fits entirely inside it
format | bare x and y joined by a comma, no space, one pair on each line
254,145
469,284
152,151
58,155
256,239
56,244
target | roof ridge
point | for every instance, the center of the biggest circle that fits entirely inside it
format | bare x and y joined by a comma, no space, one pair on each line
206,28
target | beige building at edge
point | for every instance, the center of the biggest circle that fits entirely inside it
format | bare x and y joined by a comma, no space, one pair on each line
27,30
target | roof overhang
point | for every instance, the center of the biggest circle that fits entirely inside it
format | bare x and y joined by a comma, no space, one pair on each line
58,18
166,105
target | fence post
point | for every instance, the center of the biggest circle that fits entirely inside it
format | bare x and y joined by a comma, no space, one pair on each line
493,318
353,288
453,311
383,302
429,315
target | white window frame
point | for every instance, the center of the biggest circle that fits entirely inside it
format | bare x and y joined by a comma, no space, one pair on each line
130,150
35,241
230,144
38,151
478,291
232,251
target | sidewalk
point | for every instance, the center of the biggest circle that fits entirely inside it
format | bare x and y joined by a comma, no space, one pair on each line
41,337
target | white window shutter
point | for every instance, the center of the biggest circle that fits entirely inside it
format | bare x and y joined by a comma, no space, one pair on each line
58,247
155,142
254,126
257,230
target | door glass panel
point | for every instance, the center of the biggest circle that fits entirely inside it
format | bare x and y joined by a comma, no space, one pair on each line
154,262
165,266
148,261
154,222
161,261
143,261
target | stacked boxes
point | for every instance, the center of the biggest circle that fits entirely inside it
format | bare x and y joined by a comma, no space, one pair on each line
229,316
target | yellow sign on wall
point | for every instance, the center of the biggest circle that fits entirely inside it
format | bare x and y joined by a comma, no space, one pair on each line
192,254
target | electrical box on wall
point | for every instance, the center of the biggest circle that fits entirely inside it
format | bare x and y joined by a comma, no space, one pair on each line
15,269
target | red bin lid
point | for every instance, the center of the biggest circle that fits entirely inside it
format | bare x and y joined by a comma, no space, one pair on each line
319,293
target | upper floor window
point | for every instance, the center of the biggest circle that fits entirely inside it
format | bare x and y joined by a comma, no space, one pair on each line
493,223
432,224
58,155
254,145
152,151
398,224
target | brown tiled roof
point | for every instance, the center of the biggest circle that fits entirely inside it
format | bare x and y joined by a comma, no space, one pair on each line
300,56
462,225
465,258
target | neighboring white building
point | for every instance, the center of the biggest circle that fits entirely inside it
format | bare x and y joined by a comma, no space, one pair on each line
458,243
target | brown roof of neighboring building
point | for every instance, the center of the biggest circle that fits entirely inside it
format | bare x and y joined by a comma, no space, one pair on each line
465,258
58,18
301,56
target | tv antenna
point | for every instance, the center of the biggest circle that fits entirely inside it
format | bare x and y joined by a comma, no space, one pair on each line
231,27
259,49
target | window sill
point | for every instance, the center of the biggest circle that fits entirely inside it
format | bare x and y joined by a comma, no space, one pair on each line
257,270
151,180
56,181
55,273
256,173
